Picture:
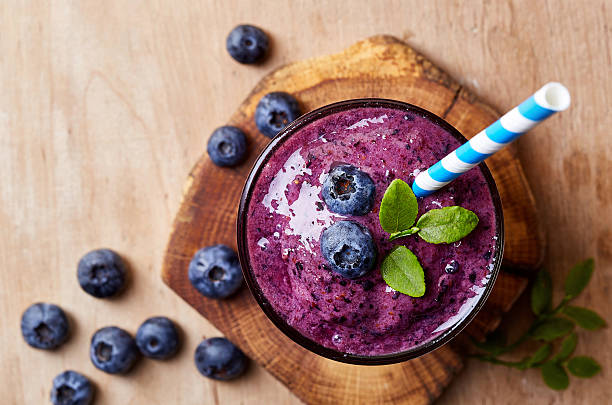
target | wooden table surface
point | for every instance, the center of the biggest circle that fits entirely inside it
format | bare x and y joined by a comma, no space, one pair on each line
105,106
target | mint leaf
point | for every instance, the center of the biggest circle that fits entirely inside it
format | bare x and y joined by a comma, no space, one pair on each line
583,366
584,317
541,293
494,344
398,208
567,348
578,278
407,232
552,328
554,376
539,356
402,271
446,225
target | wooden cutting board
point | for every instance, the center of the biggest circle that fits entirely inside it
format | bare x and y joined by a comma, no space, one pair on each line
380,66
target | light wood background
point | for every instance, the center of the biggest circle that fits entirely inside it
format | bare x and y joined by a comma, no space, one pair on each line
105,106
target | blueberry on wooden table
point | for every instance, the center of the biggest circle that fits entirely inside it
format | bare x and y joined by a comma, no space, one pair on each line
275,111
157,338
101,273
349,249
71,388
113,350
44,326
215,271
220,359
247,44
227,146
348,191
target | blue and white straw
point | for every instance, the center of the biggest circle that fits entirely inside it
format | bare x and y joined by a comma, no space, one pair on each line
551,98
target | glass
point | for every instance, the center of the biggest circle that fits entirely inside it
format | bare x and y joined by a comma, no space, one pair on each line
265,305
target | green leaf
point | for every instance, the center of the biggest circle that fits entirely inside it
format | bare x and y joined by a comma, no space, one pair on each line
578,278
584,317
567,348
539,356
583,366
401,234
554,376
446,225
398,208
541,293
495,343
552,329
402,271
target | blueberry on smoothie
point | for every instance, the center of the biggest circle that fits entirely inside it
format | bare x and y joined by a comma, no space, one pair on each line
71,388
215,271
452,267
348,191
220,359
157,338
247,44
349,249
227,146
44,326
275,111
113,350
101,273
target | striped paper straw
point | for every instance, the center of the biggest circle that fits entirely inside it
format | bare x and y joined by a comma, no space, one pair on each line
551,98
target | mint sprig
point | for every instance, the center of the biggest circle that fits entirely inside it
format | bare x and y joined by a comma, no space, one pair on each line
401,269
550,325
399,208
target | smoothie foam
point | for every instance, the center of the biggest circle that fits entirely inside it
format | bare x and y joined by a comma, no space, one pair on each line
286,215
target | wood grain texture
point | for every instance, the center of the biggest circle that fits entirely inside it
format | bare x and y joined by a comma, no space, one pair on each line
105,107
380,66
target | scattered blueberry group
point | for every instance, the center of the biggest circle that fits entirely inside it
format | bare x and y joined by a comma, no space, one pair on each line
348,191
349,249
247,44
44,326
220,359
113,350
215,271
275,111
157,338
71,388
101,273
227,146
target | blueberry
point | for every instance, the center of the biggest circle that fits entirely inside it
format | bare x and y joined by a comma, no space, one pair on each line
220,359
44,326
113,350
452,267
227,146
247,44
215,271
348,191
71,388
349,249
101,273
274,112
157,338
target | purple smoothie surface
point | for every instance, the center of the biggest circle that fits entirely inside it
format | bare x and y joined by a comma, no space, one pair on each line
286,215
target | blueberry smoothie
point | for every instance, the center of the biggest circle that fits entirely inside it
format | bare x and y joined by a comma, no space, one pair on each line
287,215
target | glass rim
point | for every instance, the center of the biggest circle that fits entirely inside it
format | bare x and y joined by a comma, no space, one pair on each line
262,301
